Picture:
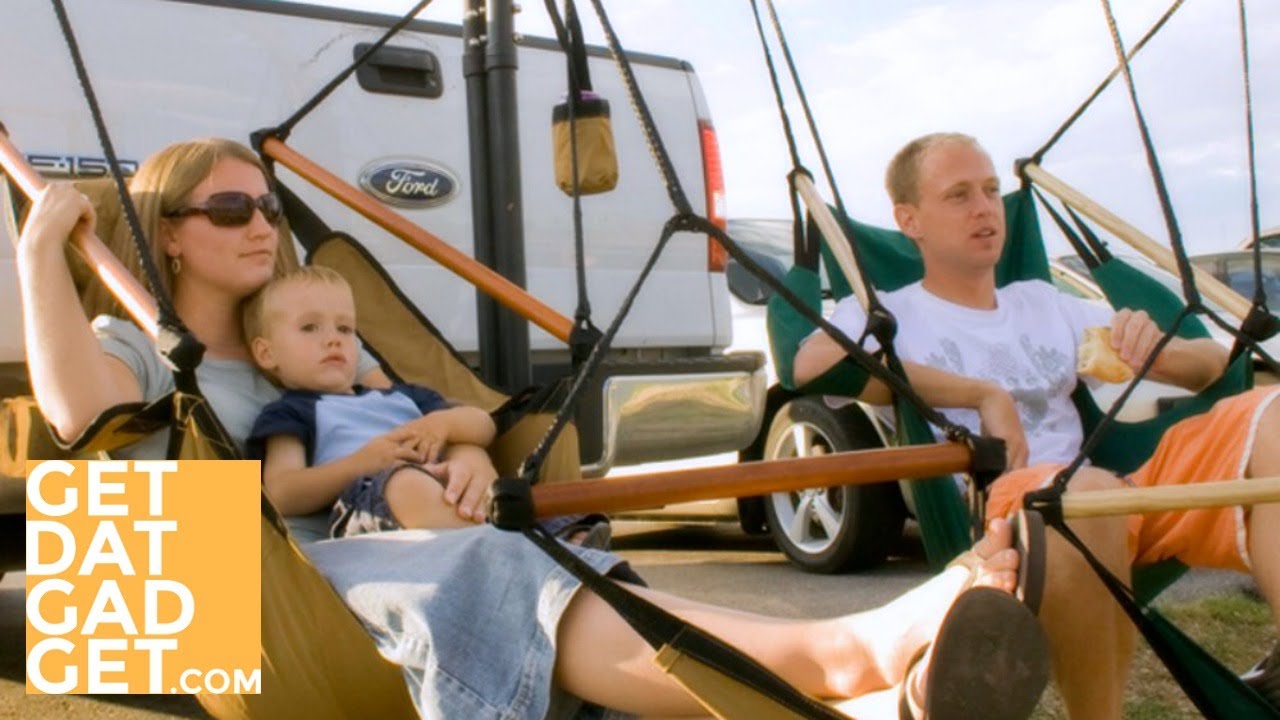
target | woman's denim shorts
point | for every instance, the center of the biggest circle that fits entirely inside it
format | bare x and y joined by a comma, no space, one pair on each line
470,615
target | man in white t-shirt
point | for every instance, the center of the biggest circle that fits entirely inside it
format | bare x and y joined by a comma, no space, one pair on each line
1003,362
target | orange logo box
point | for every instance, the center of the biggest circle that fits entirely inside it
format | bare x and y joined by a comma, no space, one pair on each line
143,577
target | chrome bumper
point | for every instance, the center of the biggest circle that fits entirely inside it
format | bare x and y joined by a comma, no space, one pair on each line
648,418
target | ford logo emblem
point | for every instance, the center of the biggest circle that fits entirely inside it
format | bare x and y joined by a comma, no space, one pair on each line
409,183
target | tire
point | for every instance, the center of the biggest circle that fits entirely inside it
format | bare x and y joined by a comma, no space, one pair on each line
839,529
751,515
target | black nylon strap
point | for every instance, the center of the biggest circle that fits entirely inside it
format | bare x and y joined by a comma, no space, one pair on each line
659,627
1039,154
529,469
579,71
796,164
686,221
282,130
806,253
690,223
804,247
1049,503
864,360
886,331
1251,333
1090,237
306,225
1082,249
804,104
178,346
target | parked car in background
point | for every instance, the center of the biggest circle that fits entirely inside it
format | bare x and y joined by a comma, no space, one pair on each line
1235,268
1240,279
1268,239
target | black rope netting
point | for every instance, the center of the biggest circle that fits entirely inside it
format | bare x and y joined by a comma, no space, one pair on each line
1038,155
1189,289
569,33
282,130
685,220
181,344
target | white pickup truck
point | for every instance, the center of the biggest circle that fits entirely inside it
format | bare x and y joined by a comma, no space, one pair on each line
167,70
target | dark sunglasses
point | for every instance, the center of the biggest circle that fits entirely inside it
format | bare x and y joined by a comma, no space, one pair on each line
233,209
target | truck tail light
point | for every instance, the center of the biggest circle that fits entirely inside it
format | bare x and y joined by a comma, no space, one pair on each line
713,173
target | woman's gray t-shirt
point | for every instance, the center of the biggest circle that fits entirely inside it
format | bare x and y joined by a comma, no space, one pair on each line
234,388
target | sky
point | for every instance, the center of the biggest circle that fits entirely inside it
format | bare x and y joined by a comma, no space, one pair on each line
1009,72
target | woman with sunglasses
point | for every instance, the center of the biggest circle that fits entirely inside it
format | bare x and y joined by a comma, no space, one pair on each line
211,221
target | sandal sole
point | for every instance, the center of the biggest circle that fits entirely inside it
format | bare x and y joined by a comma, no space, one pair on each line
990,660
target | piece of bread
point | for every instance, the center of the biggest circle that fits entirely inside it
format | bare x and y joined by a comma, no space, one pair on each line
1096,358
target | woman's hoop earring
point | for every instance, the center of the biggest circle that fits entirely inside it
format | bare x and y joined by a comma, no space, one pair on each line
176,265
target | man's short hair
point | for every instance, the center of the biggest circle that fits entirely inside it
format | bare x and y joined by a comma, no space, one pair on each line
254,314
902,179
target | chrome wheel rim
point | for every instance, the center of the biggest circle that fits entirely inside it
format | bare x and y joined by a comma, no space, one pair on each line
810,519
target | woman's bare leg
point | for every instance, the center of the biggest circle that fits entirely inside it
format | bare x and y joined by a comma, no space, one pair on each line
601,659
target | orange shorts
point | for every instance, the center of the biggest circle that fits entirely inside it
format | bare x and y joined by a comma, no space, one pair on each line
1212,446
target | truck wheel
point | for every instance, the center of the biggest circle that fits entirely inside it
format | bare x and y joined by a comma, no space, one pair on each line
830,530
751,515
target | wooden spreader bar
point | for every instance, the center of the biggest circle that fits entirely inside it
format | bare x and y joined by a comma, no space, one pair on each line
1208,285
122,284
499,288
1129,501
834,233
654,490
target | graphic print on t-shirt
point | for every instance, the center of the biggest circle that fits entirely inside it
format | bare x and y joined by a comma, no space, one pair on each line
1026,345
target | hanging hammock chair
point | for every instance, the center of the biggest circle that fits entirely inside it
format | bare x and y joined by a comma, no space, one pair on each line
855,254
317,660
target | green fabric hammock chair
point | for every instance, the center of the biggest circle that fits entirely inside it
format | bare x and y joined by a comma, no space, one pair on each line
892,261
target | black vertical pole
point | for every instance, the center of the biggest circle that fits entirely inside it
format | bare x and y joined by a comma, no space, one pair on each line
474,41
504,336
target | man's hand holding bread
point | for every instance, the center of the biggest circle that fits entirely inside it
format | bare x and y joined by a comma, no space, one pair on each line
1114,354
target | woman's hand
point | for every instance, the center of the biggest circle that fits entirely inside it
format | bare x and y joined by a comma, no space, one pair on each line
467,473
429,436
999,414
459,425
56,212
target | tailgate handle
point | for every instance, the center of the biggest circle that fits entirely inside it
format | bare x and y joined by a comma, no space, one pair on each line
400,71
